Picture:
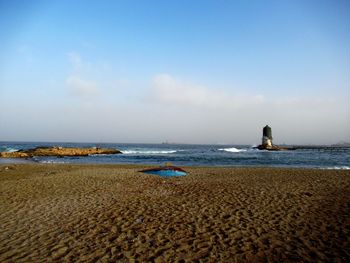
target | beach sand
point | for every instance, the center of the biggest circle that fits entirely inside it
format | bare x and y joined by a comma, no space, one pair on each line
112,213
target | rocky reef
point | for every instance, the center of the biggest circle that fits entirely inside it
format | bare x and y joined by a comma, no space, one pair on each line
274,148
58,151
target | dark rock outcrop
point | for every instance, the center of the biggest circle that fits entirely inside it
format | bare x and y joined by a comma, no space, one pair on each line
274,148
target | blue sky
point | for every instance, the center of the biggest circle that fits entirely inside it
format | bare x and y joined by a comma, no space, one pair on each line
181,71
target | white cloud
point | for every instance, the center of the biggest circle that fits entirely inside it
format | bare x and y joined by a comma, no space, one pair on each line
208,114
78,85
81,87
167,89
180,111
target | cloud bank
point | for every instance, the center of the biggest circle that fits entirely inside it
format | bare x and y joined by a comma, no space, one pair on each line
214,115
167,89
81,87
169,108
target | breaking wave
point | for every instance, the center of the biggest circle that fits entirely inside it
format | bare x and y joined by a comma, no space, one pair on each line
233,150
9,149
339,168
51,161
144,152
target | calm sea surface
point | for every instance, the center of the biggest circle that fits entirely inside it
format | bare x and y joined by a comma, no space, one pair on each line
197,155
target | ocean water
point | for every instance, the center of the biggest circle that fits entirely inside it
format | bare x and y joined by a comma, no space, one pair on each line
196,155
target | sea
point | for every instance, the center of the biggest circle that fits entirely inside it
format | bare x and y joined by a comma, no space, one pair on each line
320,157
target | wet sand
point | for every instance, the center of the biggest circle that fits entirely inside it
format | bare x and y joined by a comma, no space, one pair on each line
112,213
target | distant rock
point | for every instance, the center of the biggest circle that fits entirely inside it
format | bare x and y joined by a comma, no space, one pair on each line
341,144
57,151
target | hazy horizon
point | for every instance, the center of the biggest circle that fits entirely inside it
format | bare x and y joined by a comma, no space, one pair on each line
172,143
200,72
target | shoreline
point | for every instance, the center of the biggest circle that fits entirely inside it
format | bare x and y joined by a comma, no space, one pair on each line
89,212
19,161
197,156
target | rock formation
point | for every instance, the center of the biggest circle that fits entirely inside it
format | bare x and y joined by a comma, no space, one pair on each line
273,148
57,151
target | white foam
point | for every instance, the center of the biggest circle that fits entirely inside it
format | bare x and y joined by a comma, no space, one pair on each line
10,150
147,152
51,161
232,150
339,168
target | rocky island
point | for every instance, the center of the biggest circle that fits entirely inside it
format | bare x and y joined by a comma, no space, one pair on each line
58,151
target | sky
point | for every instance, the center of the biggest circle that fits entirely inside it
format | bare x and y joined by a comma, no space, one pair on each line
177,71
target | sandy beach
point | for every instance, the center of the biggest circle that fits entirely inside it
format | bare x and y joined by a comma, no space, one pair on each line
113,213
